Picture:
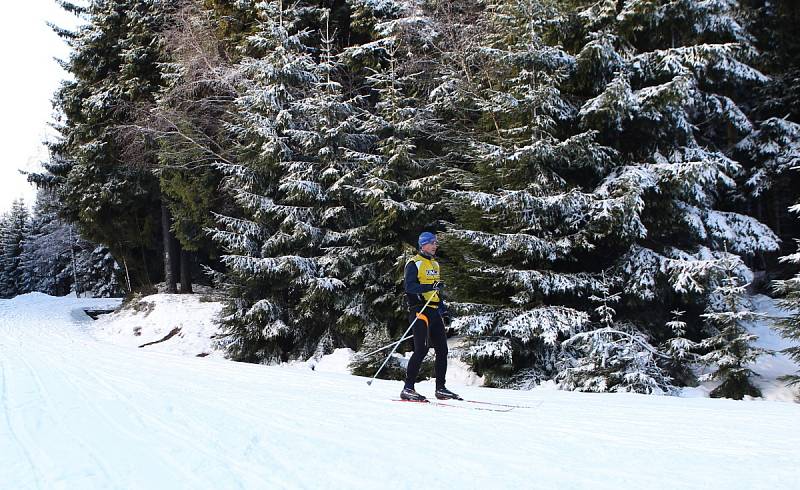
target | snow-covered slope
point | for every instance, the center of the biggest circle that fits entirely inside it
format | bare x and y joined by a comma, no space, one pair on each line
81,414
184,324
173,323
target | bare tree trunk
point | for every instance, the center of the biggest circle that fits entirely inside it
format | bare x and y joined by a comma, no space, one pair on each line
175,249
186,272
127,274
74,264
759,212
169,277
146,280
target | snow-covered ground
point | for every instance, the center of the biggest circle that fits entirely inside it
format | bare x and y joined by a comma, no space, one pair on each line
79,413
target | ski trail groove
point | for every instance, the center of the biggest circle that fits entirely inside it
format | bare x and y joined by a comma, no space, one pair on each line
7,412
131,410
191,444
182,426
52,411
186,444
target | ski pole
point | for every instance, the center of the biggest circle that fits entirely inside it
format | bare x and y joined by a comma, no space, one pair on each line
387,346
397,344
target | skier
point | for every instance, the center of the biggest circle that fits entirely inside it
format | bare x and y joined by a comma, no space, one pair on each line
422,283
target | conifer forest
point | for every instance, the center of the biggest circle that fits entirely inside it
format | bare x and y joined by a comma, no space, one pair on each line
608,179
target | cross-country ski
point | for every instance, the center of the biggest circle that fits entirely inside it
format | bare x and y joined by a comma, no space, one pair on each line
436,403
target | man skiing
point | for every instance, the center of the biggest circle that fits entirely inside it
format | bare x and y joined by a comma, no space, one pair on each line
423,285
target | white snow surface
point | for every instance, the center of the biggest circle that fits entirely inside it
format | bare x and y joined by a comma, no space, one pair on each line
79,413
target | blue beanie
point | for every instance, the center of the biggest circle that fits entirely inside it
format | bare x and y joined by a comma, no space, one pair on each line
426,237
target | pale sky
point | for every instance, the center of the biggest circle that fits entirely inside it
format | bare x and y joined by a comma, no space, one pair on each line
29,78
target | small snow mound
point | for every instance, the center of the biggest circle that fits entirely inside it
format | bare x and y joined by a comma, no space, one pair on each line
181,324
33,297
335,362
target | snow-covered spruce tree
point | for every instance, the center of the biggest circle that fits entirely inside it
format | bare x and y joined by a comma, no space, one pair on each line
113,65
98,272
300,153
670,109
775,145
398,186
524,229
682,353
326,174
612,357
545,206
14,228
46,252
769,152
277,71
774,27
729,349
789,290
4,275
674,74
54,255
775,110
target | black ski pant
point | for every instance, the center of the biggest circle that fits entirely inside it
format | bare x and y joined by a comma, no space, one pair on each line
426,335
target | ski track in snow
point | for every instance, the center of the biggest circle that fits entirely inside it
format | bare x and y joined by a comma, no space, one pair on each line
83,414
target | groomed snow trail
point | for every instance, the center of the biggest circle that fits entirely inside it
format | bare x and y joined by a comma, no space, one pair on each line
76,413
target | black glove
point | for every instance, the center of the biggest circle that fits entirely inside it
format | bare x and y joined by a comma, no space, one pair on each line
444,311
446,319
437,285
